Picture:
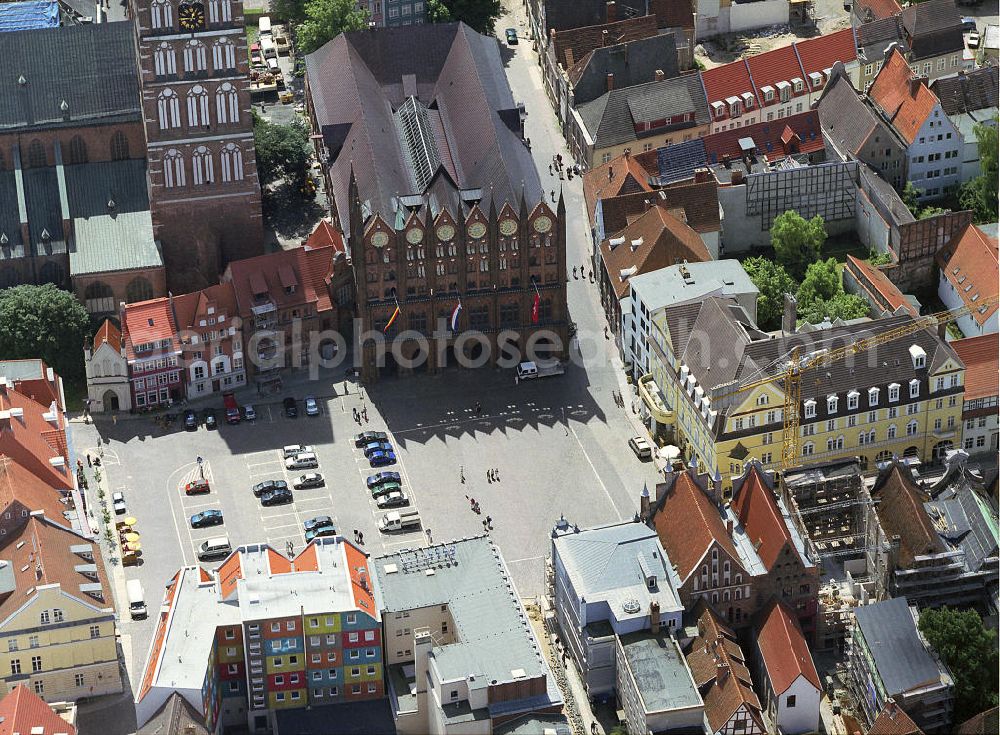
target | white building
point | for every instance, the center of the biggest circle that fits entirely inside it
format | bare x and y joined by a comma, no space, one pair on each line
786,676
607,582
107,372
968,276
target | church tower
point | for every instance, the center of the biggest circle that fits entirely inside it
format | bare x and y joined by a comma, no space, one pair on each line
205,196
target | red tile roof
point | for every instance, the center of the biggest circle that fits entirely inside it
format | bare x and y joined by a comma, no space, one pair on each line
623,175
769,138
879,9
777,65
110,334
783,648
892,720
23,712
982,365
189,306
877,284
820,53
148,322
324,235
970,264
729,80
361,579
688,524
18,485
905,102
758,511
571,45
312,268
32,441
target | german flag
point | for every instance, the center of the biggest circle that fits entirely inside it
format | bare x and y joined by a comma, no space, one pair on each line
395,313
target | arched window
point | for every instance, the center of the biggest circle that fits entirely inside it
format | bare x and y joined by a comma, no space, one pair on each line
119,146
77,150
232,163
227,104
195,56
173,169
219,11
197,106
201,165
164,60
36,154
54,273
224,54
162,14
138,289
99,297
891,433
168,107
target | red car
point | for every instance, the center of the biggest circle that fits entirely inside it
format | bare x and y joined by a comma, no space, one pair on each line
198,487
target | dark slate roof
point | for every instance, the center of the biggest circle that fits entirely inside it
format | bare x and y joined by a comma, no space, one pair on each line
563,14
933,28
847,119
964,517
610,118
91,67
360,81
901,659
678,162
874,38
968,91
632,63
10,222
175,716
41,195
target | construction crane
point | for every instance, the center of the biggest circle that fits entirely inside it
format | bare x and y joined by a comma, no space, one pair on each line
796,365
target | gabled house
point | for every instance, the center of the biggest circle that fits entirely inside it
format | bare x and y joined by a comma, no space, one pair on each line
153,352
765,145
874,39
22,711
933,34
787,676
211,340
33,435
982,392
968,266
893,720
968,99
866,11
108,385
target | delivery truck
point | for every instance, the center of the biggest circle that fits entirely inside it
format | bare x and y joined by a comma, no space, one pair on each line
399,520
136,599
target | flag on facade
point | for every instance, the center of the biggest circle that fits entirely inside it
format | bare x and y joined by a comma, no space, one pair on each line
454,315
395,313
535,308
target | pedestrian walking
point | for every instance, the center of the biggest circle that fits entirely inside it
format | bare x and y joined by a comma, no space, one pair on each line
489,521
496,475
361,537
88,460
356,534
479,408
550,169
489,476
365,414
114,419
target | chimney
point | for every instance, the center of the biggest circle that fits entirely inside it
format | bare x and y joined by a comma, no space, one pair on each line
654,617
729,527
942,331
701,175
611,81
658,75
789,315
721,672
611,12
737,177
644,503
611,173
604,37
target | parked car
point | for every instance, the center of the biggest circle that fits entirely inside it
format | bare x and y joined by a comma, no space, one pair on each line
291,408
973,39
267,486
370,449
210,422
640,445
312,408
379,477
118,503
969,24
511,35
197,487
321,531
206,518
382,459
367,437
292,449
303,461
190,420
278,496
318,522
385,488
395,499
249,414
310,479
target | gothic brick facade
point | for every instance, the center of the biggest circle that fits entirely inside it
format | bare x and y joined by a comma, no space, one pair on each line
205,195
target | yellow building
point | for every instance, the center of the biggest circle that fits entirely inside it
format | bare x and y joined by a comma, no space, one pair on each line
57,619
901,398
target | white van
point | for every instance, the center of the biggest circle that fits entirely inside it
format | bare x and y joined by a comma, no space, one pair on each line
303,461
136,599
215,548
292,449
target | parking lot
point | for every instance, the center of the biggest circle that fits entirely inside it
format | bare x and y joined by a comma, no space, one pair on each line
555,450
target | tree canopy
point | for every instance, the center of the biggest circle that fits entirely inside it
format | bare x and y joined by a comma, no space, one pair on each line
822,281
797,242
480,15
969,650
46,322
980,194
841,306
282,151
291,11
773,282
324,20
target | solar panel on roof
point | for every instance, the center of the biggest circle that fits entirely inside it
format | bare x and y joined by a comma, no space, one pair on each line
678,162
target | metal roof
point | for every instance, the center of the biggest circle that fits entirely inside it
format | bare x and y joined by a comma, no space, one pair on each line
901,660
661,674
669,286
27,15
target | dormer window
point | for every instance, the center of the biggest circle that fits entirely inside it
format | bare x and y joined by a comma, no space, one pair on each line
798,85
914,388
735,106
893,392
831,404
873,396
747,100
768,93
852,400
810,408
784,91
719,109
816,79
918,356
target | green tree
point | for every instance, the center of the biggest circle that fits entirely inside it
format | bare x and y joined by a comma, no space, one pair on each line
282,151
797,242
773,282
821,282
327,19
290,11
46,322
480,15
969,649
909,195
841,306
980,193
876,258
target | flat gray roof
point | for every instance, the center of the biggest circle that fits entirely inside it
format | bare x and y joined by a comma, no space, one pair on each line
660,671
668,286
902,661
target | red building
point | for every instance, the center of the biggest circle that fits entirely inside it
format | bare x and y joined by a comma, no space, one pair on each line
153,352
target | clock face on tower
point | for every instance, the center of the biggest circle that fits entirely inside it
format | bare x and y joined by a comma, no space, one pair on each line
191,16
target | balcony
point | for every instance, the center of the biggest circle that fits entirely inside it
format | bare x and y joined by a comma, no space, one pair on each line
653,398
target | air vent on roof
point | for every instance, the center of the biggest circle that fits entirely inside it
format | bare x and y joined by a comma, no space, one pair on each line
631,606
45,235
429,572
390,569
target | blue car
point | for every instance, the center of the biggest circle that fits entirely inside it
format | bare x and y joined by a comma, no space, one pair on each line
382,459
321,531
380,478
206,518
370,449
